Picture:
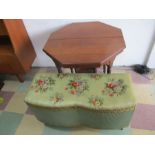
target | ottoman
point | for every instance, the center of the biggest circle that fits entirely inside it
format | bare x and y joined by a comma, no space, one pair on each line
92,100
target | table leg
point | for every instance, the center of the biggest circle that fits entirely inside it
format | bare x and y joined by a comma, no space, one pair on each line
72,71
1,84
108,69
59,69
104,68
20,77
58,66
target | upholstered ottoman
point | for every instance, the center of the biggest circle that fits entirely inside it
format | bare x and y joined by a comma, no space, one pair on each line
93,100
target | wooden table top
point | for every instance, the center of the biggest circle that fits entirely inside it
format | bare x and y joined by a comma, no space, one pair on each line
88,43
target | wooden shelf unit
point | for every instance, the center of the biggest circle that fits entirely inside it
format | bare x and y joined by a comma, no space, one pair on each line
3,31
16,51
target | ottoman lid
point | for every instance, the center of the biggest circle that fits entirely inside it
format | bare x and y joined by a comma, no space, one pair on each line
92,91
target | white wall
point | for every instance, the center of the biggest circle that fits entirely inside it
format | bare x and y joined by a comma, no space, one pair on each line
151,62
137,34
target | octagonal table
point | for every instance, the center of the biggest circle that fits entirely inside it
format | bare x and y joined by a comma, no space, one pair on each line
85,46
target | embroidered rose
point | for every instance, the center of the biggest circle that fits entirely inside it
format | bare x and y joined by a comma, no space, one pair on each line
111,85
114,87
73,92
95,76
76,86
96,100
40,82
57,98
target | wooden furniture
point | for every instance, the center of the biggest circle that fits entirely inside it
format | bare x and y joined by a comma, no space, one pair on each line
1,84
16,51
93,100
85,46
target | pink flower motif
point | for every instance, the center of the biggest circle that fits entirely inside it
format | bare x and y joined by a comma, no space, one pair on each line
65,88
73,92
111,94
94,102
111,85
103,91
75,84
40,82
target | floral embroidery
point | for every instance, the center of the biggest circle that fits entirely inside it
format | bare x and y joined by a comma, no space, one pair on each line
62,75
58,97
43,83
114,87
95,76
77,87
96,100
76,76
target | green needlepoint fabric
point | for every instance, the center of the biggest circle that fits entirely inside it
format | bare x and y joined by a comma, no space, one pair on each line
93,91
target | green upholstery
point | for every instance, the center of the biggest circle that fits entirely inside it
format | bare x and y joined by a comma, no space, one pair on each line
96,100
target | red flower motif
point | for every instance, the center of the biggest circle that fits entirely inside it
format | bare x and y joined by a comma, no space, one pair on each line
65,88
75,84
40,82
111,85
73,92
57,99
111,95
36,92
94,102
103,91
